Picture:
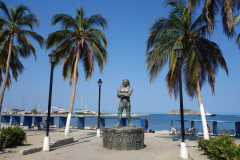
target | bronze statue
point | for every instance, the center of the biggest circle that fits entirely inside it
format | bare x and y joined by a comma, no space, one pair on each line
124,92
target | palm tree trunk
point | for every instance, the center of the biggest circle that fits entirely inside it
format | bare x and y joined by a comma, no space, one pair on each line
73,96
6,76
204,123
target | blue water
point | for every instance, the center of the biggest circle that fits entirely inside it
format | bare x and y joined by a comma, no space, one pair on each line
159,122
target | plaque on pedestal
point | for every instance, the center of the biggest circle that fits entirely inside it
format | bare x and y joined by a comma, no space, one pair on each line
123,138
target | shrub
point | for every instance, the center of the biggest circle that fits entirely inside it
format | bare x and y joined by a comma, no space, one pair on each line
15,109
220,148
34,111
11,136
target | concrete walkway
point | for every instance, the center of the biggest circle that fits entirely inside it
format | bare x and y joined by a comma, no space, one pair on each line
159,145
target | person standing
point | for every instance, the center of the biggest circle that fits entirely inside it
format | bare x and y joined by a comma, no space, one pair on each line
209,128
146,124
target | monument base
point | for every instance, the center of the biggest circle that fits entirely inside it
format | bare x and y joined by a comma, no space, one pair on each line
123,138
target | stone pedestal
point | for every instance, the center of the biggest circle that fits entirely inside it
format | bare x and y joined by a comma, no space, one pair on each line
123,138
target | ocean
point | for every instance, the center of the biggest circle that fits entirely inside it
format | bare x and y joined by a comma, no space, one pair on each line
159,122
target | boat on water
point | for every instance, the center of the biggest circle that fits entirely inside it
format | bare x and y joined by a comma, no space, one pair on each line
61,110
54,109
209,114
79,111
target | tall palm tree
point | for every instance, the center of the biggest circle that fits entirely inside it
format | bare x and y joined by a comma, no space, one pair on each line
12,25
78,41
201,57
213,7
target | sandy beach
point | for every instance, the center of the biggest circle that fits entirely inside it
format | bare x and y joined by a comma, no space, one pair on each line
158,145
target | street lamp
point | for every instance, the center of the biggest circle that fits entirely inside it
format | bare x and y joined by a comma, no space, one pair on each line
183,151
98,128
46,143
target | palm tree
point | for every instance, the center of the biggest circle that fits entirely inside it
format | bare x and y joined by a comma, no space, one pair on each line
213,7
201,57
12,29
78,41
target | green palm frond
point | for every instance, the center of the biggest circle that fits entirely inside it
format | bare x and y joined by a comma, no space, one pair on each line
80,18
198,22
5,10
238,41
66,21
62,51
4,35
156,59
67,64
88,60
56,38
96,20
26,45
99,35
100,53
15,66
3,22
4,46
34,36
172,81
236,19
18,12
28,20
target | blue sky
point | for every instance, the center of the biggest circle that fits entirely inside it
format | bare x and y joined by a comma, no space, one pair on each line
129,22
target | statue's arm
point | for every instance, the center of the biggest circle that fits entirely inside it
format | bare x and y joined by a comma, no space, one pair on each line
121,95
118,93
124,94
128,94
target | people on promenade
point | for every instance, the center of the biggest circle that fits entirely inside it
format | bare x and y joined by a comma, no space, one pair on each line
209,128
146,124
191,130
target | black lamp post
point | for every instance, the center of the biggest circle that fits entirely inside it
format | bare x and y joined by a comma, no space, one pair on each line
52,58
178,52
46,143
98,129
